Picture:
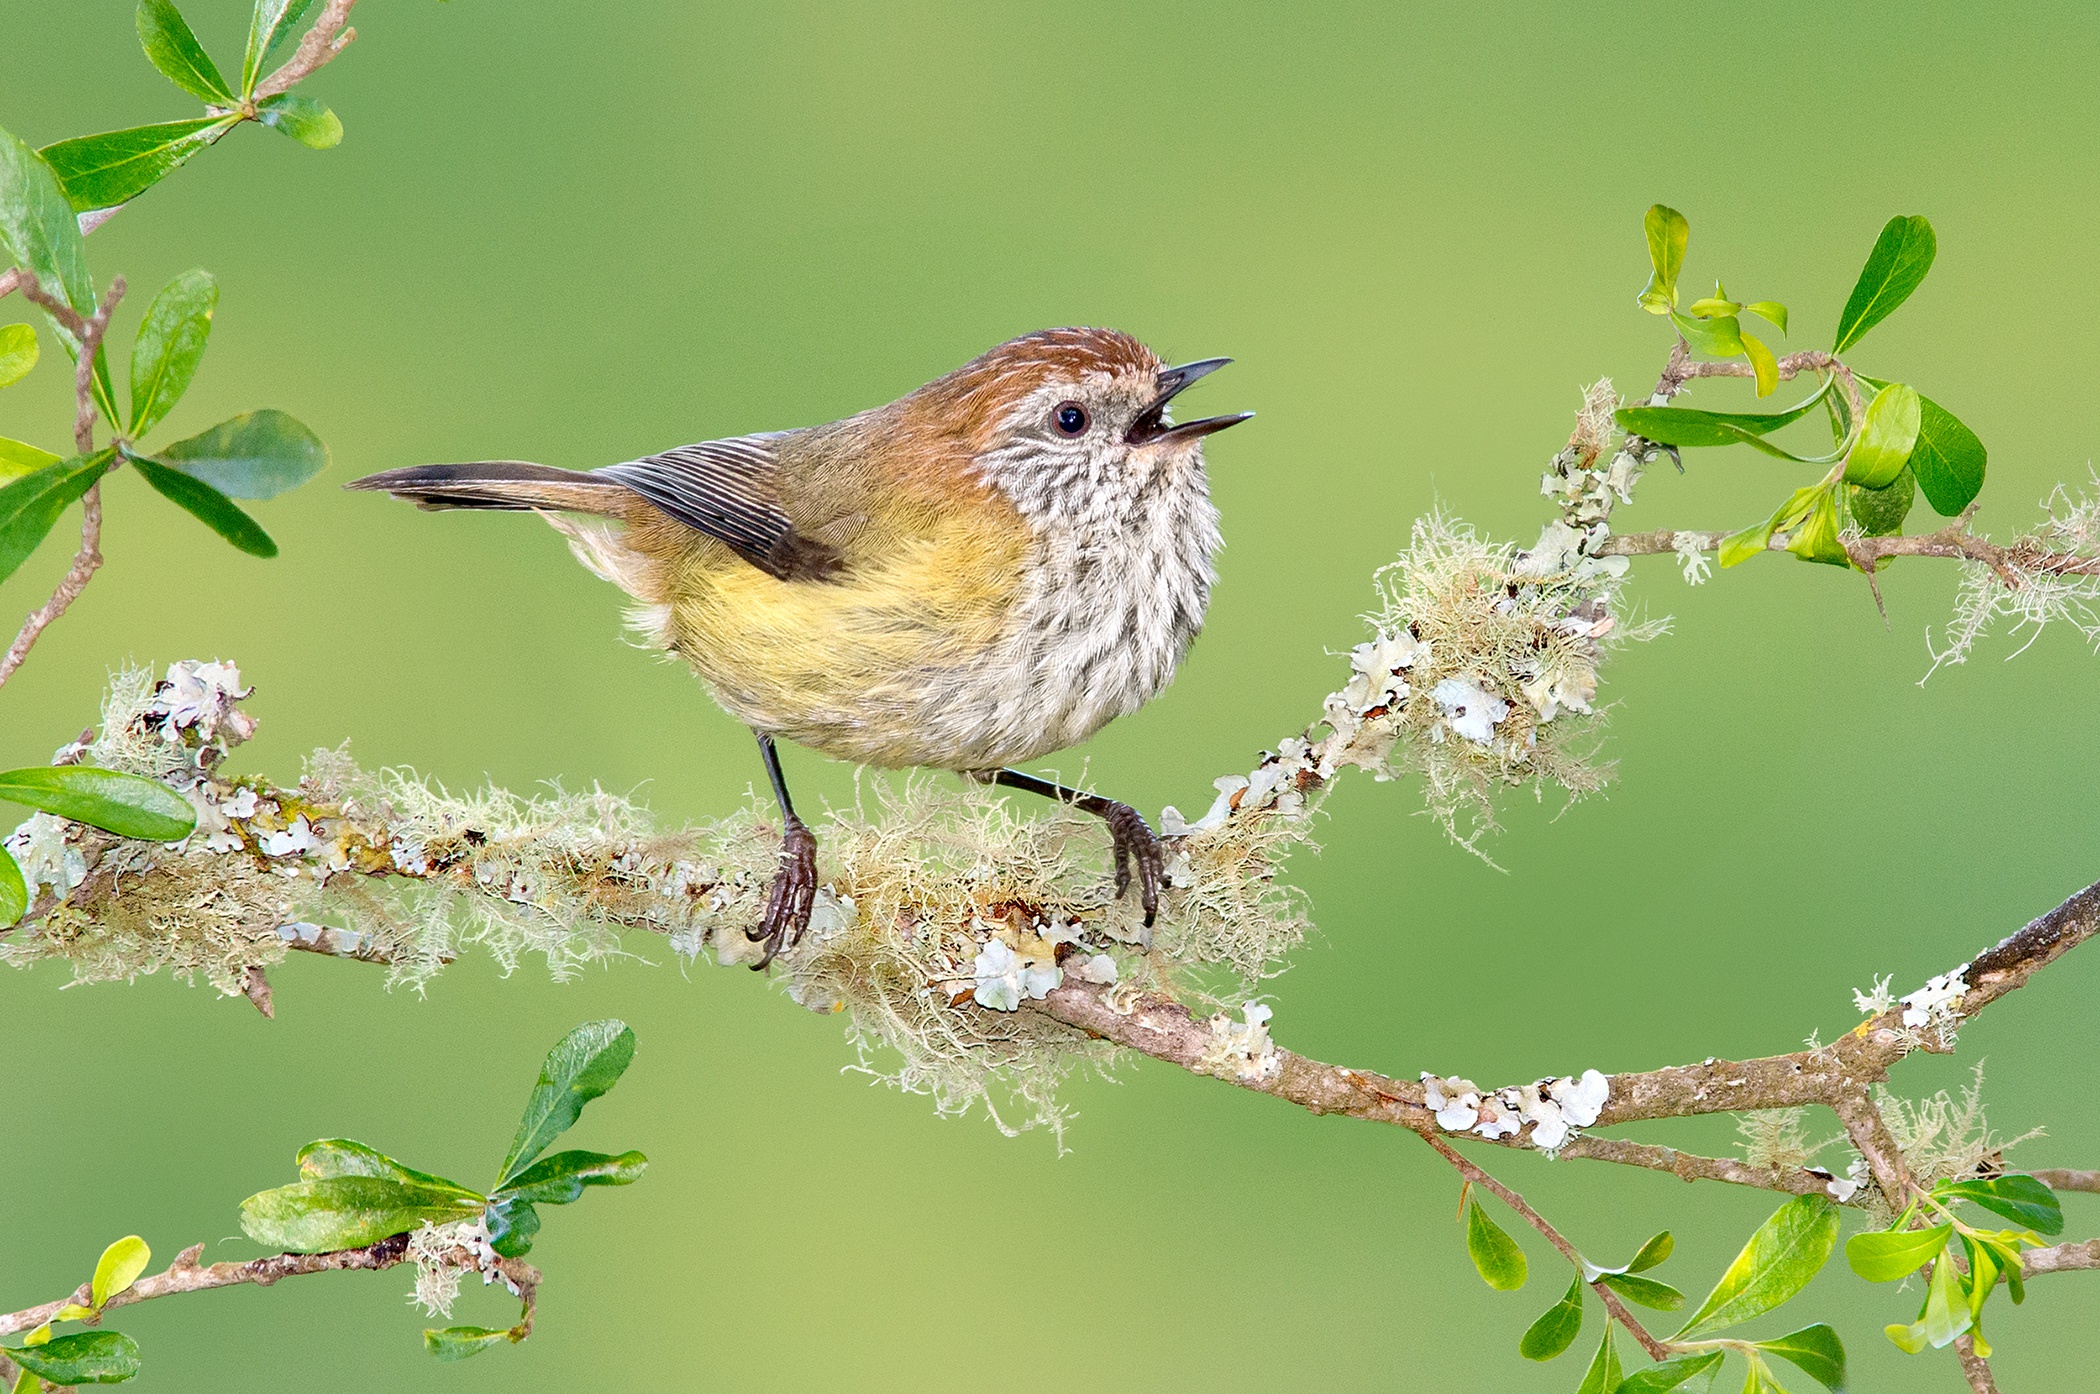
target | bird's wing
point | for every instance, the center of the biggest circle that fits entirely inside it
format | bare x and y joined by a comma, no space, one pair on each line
729,489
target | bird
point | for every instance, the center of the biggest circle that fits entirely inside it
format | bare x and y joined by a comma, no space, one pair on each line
980,573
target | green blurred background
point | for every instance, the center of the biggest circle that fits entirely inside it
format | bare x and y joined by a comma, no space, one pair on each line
576,233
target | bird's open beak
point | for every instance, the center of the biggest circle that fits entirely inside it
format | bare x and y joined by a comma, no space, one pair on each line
1151,426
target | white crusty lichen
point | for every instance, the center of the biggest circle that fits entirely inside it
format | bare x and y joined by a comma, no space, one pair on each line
1554,1107
1937,1004
1241,1050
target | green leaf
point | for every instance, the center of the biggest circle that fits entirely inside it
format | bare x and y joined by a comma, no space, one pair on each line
1659,1379
347,1212
1739,547
1769,310
459,1342
1816,1350
256,455
118,1268
14,891
560,1179
512,1224
1880,512
1946,1313
31,504
85,1357
170,343
1948,459
18,458
1901,257
1557,1329
1604,1372
1652,1253
584,1064
1721,337
166,37
1668,233
208,506
18,353
304,120
109,168
270,26
1886,1256
1690,426
1762,363
1815,535
338,1156
1712,307
128,805
1501,1263
1886,437
1646,1291
1983,1276
39,231
2016,1195
1787,1250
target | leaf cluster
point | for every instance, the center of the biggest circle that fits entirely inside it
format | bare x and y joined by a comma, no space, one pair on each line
86,1357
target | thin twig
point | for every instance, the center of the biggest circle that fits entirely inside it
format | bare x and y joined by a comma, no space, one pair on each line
186,1275
1974,1367
1656,1349
2058,1179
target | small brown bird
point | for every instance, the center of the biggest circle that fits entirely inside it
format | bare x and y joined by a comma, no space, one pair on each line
986,570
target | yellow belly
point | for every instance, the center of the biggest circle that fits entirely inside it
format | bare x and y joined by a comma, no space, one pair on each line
859,667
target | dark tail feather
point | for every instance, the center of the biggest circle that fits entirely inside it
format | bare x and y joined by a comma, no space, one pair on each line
498,484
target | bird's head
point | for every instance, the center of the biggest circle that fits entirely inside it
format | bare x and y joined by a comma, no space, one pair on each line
1074,424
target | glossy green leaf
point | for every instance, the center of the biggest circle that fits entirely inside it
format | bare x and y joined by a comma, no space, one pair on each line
1652,1253
2016,1195
18,353
560,1178
1885,1256
337,1156
256,455
1668,234
1647,1292
1880,512
1604,1373
40,232
1770,311
72,1311
128,805
168,41
1788,1249
1886,436
1946,1313
1948,459
1739,547
208,506
1501,1263
1721,337
271,24
1762,363
14,891
1901,257
170,343
1690,426
1659,1379
587,1062
1816,1350
84,1357
18,458
1557,1328
1815,536
512,1224
30,504
304,120
347,1212
459,1342
1983,1276
111,167
118,1268
1712,307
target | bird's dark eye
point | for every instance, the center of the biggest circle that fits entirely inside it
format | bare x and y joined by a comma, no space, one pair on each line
1069,418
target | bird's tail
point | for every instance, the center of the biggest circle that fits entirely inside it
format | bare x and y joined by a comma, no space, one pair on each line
499,484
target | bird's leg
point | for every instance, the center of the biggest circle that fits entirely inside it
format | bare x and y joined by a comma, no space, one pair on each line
794,887
1134,841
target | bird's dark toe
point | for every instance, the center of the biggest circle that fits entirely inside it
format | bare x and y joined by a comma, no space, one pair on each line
791,896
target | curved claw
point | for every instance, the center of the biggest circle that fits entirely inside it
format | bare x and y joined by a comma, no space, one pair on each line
1135,843
793,893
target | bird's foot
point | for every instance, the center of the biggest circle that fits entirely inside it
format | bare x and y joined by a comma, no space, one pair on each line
793,892
1136,845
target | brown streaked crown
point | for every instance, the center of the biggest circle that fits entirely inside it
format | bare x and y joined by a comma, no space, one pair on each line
971,400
